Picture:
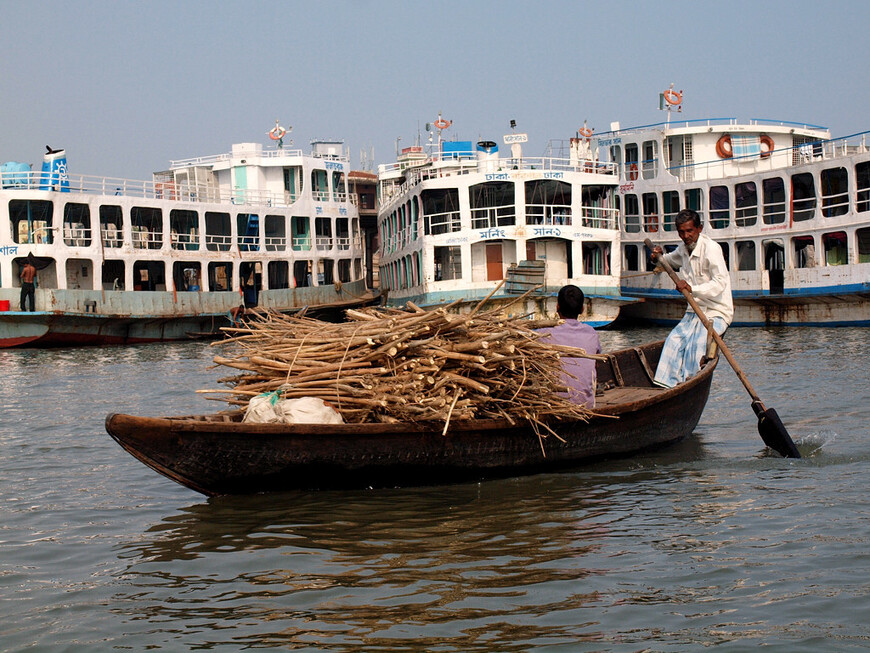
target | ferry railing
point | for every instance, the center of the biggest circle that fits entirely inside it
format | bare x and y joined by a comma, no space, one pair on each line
598,217
112,237
342,242
323,242
442,223
301,243
76,235
184,241
143,238
218,242
493,216
774,213
276,243
549,214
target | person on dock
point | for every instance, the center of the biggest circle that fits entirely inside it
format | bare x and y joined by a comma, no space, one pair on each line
236,315
704,274
28,285
579,373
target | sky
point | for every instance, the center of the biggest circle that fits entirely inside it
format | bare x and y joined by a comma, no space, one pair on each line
125,87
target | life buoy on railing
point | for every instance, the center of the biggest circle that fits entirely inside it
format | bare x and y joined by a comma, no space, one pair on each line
632,172
652,223
442,124
723,147
673,97
585,132
277,133
766,142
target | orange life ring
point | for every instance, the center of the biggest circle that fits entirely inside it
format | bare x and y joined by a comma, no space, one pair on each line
585,132
277,133
442,124
723,147
766,141
673,97
632,172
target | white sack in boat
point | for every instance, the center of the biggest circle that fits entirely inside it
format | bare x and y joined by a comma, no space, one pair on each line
262,410
308,410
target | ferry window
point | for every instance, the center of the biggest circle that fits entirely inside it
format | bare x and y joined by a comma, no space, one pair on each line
113,275
147,225
220,276
616,154
276,233
695,201
248,230
596,207
325,272
726,253
218,237
596,258
79,274
302,273
548,201
720,205
323,233
745,204
440,211
834,184
804,249
631,258
650,212
251,281
492,204
357,267
30,221
862,182
863,237
339,187
447,263
745,250
670,208
773,191
184,229
300,232
650,163
342,233
111,225
631,161
292,184
76,224
319,185
836,251
149,275
631,214
803,196
344,270
774,255
187,276
278,275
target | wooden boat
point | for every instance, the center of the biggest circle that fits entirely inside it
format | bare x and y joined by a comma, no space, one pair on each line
219,454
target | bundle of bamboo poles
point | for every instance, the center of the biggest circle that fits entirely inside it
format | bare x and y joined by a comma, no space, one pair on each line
411,365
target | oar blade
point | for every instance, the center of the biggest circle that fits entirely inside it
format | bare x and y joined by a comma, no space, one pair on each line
773,432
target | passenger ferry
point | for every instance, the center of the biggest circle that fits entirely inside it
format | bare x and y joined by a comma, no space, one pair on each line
456,219
789,204
124,261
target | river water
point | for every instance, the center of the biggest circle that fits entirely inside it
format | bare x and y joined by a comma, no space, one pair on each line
709,543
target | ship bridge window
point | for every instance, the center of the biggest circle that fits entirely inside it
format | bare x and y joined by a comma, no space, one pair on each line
248,229
720,205
670,208
836,250
631,214
863,237
319,186
745,250
695,201
650,160
834,184
111,225
650,212
276,233
220,276
745,204
548,201
323,234
300,232
302,273
631,161
76,224
596,258
113,275
187,276
279,275
492,204
597,207
184,229
31,221
447,263
862,184
146,223
218,235
440,211
773,191
339,186
292,184
149,275
804,248
803,196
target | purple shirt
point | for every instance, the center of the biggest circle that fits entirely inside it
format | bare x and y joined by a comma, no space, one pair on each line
579,372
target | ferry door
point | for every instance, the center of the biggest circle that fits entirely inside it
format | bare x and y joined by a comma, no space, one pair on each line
494,264
774,263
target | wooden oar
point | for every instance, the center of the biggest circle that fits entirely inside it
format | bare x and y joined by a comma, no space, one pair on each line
770,427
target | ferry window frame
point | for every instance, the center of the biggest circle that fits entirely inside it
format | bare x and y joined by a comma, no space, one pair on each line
773,259
146,223
834,190
213,276
726,254
446,258
154,277
77,224
32,212
113,272
631,213
632,157
302,272
774,206
218,231
278,275
745,204
831,248
803,249
862,245
862,186
187,219
248,242
442,203
492,204
631,258
184,282
300,240
650,206
112,214
720,206
741,250
596,257
670,208
275,232
551,200
803,197
649,168
693,198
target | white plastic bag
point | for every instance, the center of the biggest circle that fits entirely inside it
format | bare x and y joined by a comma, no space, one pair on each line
307,410
262,409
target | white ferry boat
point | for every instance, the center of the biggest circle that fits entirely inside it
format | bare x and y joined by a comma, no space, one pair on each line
456,218
124,261
789,204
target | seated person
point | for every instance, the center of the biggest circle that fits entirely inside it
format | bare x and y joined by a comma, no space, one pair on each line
580,374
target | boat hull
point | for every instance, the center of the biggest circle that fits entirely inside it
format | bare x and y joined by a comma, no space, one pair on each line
235,458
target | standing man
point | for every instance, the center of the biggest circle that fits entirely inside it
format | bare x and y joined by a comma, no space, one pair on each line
579,373
28,277
704,274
